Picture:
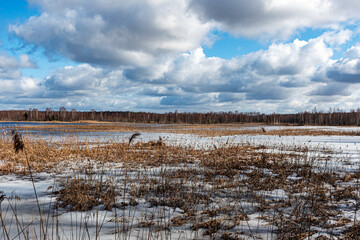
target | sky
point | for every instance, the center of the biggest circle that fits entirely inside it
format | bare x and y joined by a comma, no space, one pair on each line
187,55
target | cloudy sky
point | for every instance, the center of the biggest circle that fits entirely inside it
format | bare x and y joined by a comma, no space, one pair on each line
186,55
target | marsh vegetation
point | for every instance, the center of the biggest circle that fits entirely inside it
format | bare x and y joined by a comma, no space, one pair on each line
157,189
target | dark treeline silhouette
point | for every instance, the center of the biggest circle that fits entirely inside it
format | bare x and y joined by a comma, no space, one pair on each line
332,117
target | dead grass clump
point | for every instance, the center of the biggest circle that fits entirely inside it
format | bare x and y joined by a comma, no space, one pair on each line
140,191
348,192
44,156
352,232
325,177
289,227
217,211
186,201
81,194
348,177
212,226
306,214
322,237
232,236
158,143
184,218
241,217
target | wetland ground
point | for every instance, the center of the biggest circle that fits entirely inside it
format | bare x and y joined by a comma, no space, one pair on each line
178,181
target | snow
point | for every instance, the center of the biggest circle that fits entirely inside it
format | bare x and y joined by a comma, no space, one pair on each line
20,199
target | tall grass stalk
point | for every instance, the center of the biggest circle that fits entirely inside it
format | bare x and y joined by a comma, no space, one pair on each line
20,146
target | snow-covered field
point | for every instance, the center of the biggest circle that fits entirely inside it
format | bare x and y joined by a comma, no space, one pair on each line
187,187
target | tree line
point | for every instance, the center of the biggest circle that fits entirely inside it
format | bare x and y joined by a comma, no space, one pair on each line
332,117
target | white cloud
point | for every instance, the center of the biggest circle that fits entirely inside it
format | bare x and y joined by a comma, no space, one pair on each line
274,18
82,77
345,70
9,67
334,38
298,57
28,84
353,52
275,79
13,84
281,74
295,61
147,54
26,62
114,32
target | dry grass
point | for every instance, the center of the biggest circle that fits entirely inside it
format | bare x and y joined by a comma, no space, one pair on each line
84,194
215,192
208,130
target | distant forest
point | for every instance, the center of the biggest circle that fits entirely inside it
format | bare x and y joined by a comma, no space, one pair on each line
332,117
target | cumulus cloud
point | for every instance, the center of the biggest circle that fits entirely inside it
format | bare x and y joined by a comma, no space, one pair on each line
113,32
18,95
139,25
86,81
336,38
13,84
261,75
26,62
85,87
82,77
353,52
341,75
9,67
141,32
292,75
224,97
290,59
280,74
274,18
186,100
338,79
147,54
161,91
331,89
345,70
283,75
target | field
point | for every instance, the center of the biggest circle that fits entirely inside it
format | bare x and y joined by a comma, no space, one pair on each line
235,181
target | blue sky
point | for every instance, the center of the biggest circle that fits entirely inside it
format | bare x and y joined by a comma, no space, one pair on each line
228,46
185,55
16,12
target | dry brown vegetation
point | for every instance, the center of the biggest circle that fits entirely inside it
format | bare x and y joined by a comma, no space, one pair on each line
208,130
219,192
